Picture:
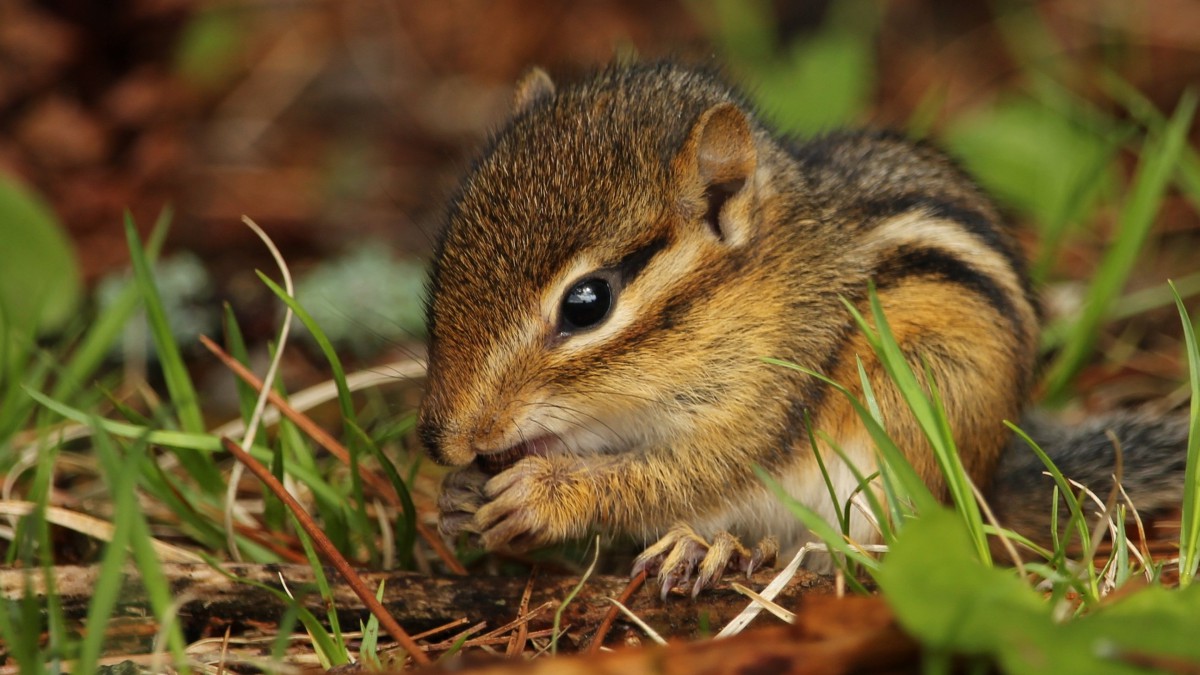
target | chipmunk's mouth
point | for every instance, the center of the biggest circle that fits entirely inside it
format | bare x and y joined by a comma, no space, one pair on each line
496,462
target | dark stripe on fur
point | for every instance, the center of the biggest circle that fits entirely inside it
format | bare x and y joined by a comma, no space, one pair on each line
979,225
910,261
632,265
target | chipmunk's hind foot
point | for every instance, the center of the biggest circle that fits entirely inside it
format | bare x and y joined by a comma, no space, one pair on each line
682,553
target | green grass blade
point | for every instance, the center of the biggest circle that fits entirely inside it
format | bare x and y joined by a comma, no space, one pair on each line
562,607
1158,163
205,443
1189,526
864,486
127,514
898,505
910,483
338,655
368,652
1075,206
406,524
930,416
21,629
335,363
121,477
235,344
1124,570
158,588
175,373
322,642
359,515
15,406
1077,520
107,328
157,482
815,523
843,515
179,383
1146,113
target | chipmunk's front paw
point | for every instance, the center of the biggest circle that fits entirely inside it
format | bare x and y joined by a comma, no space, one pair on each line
682,553
537,501
460,498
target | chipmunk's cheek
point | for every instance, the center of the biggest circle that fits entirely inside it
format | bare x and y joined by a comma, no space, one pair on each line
538,501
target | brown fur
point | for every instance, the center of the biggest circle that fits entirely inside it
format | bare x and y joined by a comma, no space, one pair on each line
658,415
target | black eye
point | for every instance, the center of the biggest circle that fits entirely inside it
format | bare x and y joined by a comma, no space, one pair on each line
586,304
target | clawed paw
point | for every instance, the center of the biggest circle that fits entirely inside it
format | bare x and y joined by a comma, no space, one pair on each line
536,501
682,554
461,496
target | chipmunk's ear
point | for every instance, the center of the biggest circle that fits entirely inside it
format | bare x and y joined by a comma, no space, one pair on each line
533,87
718,161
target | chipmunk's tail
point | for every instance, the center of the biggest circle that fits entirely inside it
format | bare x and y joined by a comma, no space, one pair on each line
1153,457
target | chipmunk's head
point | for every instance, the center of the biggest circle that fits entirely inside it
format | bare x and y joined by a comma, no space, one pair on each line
573,291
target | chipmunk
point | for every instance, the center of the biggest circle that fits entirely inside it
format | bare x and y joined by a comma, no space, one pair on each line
619,261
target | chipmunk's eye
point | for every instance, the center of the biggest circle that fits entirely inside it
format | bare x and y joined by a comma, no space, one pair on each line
586,304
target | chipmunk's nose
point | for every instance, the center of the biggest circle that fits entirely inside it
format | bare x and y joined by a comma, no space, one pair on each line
442,442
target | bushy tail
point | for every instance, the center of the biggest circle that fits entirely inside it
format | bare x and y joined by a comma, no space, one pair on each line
1153,454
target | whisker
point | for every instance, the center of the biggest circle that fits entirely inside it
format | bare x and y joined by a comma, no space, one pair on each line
579,413
558,436
614,392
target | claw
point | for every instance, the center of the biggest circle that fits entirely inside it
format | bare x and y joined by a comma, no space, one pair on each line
723,553
665,584
764,553
682,553
650,561
460,498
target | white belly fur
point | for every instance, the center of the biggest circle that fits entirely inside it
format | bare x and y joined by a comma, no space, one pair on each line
766,515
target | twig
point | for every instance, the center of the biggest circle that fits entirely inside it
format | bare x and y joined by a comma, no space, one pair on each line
335,448
329,552
458,638
482,641
444,627
521,620
611,617
517,645
272,544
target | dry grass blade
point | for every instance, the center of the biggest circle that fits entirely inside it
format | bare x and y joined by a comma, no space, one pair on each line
650,632
330,553
1140,547
768,605
92,527
335,448
323,392
990,516
260,403
771,591
310,428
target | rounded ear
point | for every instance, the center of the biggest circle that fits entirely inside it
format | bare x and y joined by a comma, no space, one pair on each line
718,160
534,86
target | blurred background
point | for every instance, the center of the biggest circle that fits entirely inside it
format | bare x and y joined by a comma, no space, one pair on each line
341,128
